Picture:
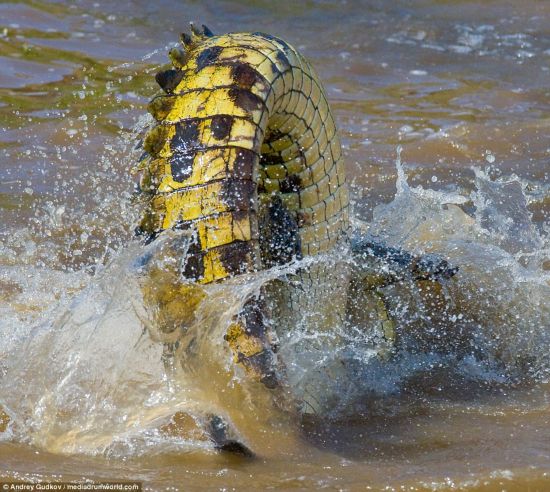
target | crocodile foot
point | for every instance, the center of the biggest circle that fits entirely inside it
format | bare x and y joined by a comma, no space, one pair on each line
221,435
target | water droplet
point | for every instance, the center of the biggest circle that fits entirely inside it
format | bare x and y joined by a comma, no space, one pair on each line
418,72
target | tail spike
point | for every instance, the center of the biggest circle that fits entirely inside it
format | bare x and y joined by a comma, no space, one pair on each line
207,32
169,79
186,39
177,57
196,33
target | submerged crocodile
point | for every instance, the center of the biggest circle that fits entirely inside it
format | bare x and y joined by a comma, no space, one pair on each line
245,156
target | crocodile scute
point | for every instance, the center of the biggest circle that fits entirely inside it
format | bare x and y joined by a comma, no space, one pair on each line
245,152
245,155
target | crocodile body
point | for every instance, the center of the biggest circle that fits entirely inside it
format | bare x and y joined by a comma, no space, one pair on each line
245,155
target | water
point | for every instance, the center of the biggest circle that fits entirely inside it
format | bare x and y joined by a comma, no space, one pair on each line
462,88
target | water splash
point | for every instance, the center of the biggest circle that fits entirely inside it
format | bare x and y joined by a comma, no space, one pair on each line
499,299
95,381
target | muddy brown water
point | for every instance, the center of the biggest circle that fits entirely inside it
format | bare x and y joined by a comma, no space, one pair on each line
462,86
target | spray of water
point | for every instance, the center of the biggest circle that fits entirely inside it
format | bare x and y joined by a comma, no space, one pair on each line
82,372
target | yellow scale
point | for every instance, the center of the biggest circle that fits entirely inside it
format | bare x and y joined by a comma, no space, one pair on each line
273,106
285,96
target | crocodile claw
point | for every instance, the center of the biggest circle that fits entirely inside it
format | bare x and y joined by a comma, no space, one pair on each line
432,267
219,433
400,263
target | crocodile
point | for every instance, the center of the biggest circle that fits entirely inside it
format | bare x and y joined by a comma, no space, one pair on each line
245,156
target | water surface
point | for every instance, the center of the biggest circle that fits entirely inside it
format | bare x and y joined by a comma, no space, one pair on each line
461,86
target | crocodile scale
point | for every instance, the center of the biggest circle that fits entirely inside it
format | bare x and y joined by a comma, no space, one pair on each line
245,154
245,123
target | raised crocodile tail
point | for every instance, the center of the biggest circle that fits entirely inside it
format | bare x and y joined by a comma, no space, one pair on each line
245,153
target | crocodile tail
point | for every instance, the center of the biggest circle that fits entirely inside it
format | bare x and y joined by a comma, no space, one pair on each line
245,154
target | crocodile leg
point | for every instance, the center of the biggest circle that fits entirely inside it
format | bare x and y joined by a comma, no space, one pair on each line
389,264
378,265
221,435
